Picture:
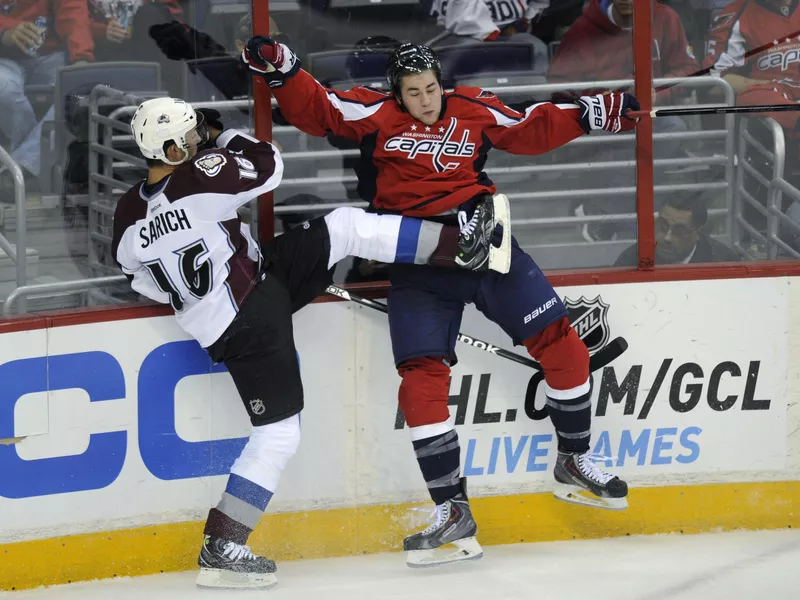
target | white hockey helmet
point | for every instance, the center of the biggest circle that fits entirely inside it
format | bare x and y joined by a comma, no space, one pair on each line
162,120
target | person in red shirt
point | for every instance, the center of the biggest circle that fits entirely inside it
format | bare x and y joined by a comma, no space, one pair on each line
599,46
36,38
771,76
423,152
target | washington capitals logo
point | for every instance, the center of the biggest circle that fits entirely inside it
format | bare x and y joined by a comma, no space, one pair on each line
439,146
589,318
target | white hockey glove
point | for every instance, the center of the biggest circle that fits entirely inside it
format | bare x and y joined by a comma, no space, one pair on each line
607,112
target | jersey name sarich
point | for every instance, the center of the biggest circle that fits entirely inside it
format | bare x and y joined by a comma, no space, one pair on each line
162,224
437,148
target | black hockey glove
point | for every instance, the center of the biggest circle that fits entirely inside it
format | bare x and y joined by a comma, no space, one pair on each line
211,118
607,112
275,62
178,41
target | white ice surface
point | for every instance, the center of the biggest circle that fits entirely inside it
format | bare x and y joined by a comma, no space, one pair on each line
730,566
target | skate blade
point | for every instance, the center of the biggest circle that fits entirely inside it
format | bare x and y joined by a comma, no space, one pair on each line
500,258
222,579
466,549
577,495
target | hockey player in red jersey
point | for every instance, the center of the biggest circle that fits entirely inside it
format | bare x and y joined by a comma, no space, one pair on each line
771,76
179,239
426,149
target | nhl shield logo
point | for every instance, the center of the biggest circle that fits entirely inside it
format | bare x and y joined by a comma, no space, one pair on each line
257,406
589,318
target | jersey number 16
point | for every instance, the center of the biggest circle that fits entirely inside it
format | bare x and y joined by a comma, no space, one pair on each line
195,276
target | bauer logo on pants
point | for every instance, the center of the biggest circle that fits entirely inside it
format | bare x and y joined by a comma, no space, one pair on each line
257,406
589,318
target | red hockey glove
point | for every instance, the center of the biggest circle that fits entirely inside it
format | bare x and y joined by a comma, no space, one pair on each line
607,112
275,62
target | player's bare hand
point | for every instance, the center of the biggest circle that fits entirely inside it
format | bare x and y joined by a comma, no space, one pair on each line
116,33
24,36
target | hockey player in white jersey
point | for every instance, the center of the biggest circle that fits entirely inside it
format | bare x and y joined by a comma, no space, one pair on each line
179,239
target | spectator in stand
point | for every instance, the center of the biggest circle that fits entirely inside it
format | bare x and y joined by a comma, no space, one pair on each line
599,45
768,77
697,16
36,38
113,20
470,21
681,238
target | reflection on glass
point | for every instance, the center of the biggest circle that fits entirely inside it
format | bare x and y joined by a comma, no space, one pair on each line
681,236
64,125
754,48
572,208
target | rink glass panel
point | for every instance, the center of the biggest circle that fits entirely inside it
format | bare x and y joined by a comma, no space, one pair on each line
137,48
573,209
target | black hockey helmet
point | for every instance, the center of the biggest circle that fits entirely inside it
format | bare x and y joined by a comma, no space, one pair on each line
410,59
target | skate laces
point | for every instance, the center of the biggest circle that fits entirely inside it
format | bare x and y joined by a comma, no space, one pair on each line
237,551
586,463
467,227
437,517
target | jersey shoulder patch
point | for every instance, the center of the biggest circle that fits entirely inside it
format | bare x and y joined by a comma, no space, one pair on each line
211,164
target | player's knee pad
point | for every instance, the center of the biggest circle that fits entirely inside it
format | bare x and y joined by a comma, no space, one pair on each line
354,232
424,390
268,451
562,354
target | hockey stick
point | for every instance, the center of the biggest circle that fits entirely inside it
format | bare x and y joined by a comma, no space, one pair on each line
711,110
467,339
600,359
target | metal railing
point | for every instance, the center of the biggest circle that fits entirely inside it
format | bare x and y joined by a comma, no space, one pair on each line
18,254
774,186
50,289
107,160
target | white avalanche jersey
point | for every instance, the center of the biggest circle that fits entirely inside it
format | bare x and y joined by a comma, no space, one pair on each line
184,244
482,18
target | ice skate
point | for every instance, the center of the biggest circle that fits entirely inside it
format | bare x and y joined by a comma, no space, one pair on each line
475,249
225,564
580,481
453,525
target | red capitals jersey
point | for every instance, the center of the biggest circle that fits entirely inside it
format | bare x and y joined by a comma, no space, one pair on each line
746,25
424,170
